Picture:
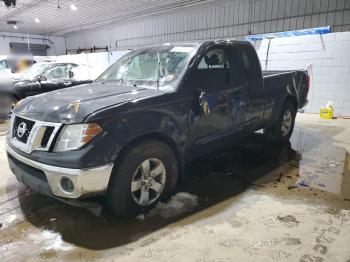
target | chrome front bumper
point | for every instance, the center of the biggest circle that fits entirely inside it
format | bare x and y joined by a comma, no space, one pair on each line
86,181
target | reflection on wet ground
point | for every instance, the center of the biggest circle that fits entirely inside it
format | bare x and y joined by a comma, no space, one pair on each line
308,161
321,164
3,126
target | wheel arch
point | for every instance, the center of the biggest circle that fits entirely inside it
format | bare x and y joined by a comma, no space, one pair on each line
278,108
159,137
292,100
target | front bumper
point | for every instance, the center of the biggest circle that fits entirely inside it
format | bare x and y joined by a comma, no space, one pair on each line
46,179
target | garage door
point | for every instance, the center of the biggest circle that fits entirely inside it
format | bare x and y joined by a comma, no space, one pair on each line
35,49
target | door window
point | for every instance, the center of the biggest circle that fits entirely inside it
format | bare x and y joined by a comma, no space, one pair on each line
215,58
58,73
251,70
3,64
213,72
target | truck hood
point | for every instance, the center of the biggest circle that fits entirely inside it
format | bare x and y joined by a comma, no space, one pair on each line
73,105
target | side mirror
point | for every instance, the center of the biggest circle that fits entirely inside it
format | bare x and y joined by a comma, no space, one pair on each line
41,79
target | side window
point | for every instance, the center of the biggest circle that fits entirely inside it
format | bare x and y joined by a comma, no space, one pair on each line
216,58
58,73
246,61
251,70
213,71
3,64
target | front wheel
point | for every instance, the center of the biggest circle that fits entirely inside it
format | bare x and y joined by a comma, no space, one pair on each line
282,130
145,174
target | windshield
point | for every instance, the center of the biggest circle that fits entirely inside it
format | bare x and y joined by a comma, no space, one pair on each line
34,71
155,67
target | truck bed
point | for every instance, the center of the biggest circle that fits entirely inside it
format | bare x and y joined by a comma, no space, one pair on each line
294,82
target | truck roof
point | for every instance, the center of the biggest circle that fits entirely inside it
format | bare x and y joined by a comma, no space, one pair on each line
202,42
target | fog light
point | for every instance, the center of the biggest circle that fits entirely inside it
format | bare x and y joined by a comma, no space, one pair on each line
67,185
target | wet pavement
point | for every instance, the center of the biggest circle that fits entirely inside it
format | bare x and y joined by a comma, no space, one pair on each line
3,127
257,201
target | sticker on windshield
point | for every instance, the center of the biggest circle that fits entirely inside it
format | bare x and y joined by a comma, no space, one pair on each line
182,49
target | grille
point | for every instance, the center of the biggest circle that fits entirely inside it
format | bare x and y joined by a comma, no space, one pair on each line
30,135
22,128
47,135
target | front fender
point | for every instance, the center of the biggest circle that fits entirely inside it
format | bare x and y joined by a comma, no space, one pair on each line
133,126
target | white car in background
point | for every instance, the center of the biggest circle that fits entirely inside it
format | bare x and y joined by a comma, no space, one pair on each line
38,79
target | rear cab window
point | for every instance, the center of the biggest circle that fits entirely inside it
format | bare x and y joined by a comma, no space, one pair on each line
250,69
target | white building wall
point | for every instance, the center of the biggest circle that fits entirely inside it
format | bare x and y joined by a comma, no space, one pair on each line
329,56
57,47
96,63
217,19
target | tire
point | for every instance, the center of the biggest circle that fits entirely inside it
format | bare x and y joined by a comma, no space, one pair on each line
149,166
283,128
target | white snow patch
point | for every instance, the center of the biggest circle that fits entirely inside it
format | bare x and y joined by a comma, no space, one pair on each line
180,203
11,218
8,221
52,240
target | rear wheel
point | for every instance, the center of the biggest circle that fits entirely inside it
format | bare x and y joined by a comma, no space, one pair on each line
282,130
145,174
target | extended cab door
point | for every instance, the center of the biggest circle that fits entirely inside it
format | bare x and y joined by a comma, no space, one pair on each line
215,88
251,76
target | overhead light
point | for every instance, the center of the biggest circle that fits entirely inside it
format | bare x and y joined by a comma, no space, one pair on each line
73,7
37,20
15,27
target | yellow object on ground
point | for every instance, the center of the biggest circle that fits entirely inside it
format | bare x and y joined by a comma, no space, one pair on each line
326,113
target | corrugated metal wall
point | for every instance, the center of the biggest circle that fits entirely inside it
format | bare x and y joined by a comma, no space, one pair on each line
219,19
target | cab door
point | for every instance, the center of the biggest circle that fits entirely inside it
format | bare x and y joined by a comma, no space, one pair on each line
215,91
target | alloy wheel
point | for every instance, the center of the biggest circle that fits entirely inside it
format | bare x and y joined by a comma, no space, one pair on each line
148,181
287,120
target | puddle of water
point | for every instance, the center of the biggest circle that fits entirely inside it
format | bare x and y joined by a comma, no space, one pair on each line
346,178
322,164
4,125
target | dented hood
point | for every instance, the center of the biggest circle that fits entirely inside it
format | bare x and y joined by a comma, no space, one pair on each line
73,105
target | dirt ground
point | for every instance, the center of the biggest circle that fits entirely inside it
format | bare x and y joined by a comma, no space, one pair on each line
257,201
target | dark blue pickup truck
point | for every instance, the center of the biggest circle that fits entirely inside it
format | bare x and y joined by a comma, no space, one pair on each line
128,135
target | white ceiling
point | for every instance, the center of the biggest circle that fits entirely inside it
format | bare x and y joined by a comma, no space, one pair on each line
89,13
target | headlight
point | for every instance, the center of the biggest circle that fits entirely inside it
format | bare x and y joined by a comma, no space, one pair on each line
73,137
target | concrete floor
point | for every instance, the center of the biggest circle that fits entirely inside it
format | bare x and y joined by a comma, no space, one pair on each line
258,201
